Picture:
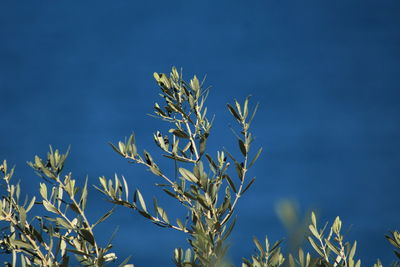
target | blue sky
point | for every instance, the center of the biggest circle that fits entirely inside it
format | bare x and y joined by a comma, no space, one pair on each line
326,74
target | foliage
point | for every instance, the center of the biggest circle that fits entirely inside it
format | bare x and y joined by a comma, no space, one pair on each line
49,240
207,186
209,195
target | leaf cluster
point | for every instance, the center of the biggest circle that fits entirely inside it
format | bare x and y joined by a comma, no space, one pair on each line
64,230
207,192
206,185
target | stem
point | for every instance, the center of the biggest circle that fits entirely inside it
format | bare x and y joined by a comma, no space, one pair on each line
238,194
87,223
33,243
15,223
191,136
141,161
27,235
323,246
81,213
342,254
180,157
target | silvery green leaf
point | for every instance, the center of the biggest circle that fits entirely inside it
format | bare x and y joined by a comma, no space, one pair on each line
258,245
43,190
337,224
84,195
233,112
104,217
170,193
22,217
238,108
117,150
255,157
63,223
291,261
353,250
141,200
332,247
248,185
163,214
242,147
254,113
301,257
203,140
126,188
188,175
87,235
49,207
314,231
315,246
31,204
314,220
230,182
124,263
179,133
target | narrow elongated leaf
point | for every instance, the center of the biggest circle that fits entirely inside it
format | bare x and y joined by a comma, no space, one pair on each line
116,149
124,263
315,246
181,159
64,223
353,250
170,193
104,217
230,182
332,247
314,220
22,217
74,208
145,214
301,257
22,244
254,113
229,230
212,162
258,245
314,231
126,188
202,145
188,175
84,195
233,112
103,182
255,157
179,133
148,158
291,261
180,224
87,236
239,170
248,185
49,207
337,225
242,147
43,190
163,214
141,200
31,204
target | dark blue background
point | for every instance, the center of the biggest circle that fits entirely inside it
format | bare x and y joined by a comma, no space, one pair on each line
326,74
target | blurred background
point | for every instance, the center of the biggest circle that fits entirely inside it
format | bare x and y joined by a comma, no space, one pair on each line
326,74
